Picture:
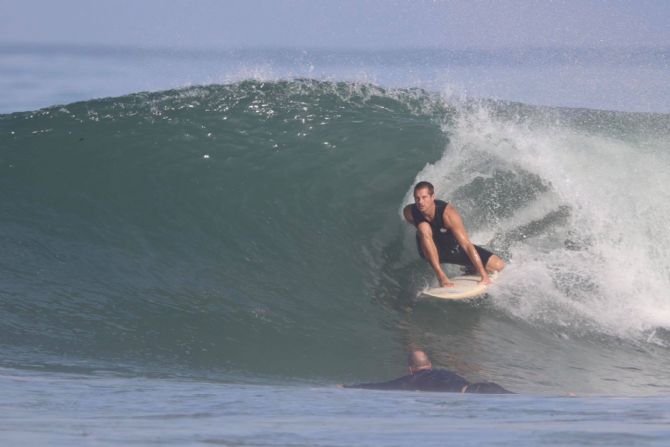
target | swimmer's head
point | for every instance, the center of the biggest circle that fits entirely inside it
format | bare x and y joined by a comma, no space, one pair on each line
418,361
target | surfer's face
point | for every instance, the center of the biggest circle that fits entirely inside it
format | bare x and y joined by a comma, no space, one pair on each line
424,199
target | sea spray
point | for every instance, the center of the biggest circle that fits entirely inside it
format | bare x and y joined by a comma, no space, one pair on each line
577,206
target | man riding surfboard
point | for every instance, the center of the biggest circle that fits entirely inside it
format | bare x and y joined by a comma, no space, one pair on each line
442,239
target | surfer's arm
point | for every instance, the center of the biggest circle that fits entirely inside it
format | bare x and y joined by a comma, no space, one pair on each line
407,213
428,247
425,234
454,223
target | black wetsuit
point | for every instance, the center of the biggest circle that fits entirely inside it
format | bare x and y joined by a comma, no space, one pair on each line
434,380
449,250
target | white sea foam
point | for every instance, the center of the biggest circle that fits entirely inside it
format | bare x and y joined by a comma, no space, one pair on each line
604,268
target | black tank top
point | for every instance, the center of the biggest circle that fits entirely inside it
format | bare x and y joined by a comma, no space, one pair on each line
443,237
438,221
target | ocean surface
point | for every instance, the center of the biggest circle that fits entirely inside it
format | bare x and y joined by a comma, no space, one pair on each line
198,246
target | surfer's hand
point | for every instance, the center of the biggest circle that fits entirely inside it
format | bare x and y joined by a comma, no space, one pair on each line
485,281
444,281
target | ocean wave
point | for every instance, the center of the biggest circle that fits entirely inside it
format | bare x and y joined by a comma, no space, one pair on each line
255,227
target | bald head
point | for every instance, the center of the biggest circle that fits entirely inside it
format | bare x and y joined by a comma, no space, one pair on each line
418,361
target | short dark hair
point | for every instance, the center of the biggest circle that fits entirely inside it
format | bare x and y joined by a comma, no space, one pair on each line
424,184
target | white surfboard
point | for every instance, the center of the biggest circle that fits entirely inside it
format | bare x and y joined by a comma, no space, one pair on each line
465,287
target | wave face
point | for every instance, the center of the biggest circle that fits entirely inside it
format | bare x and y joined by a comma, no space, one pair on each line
254,229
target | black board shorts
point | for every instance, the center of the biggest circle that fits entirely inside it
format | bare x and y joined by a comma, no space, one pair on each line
452,253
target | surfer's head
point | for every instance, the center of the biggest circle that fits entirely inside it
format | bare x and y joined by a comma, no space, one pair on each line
424,185
418,361
424,196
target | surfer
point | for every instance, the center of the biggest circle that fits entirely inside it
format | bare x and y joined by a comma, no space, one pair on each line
441,237
422,377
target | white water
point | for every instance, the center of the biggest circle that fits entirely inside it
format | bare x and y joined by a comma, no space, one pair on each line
617,280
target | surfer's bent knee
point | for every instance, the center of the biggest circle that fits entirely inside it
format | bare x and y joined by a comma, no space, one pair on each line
495,264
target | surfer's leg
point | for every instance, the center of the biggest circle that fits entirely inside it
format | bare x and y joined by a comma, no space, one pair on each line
457,256
494,264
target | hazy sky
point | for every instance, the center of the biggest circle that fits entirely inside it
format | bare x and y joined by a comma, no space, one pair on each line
343,24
